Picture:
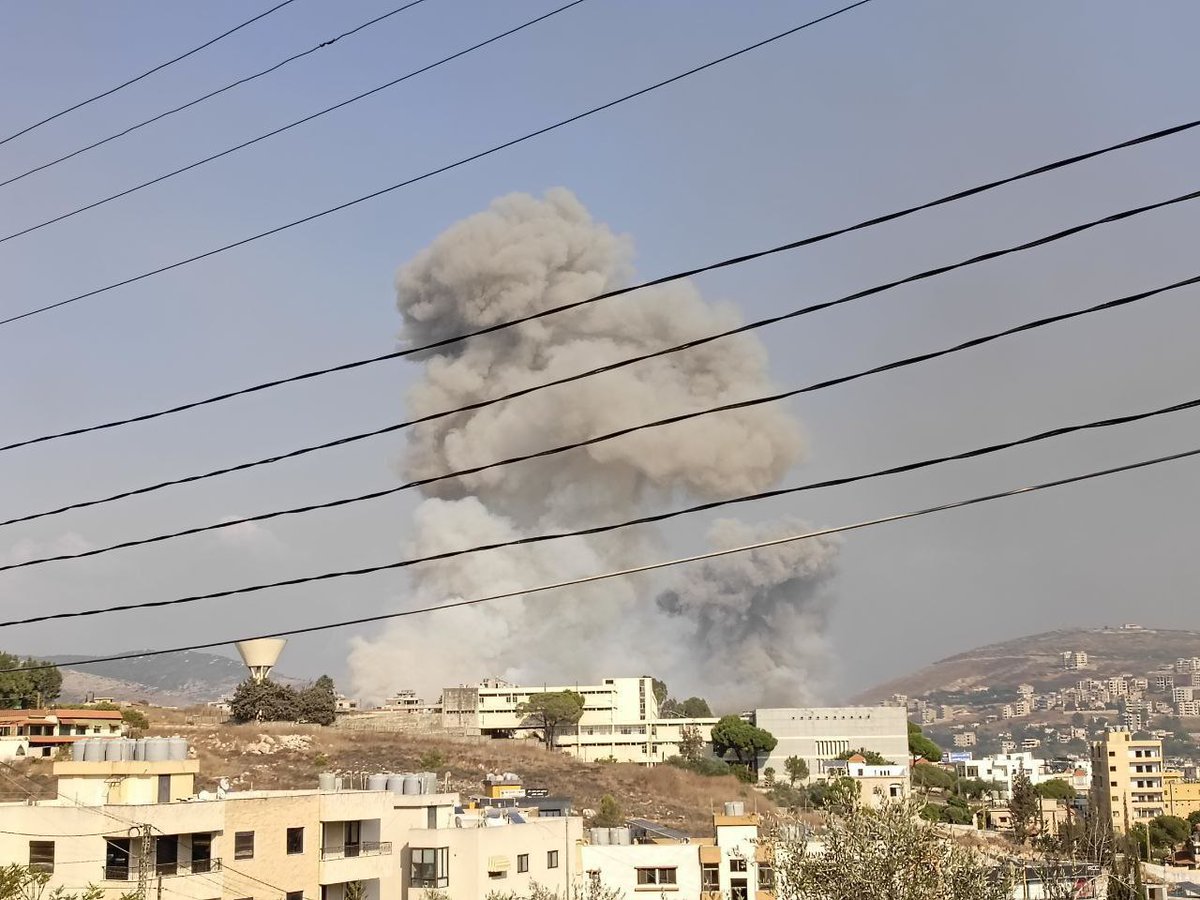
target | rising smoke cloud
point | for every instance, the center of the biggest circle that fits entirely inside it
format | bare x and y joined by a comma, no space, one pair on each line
522,255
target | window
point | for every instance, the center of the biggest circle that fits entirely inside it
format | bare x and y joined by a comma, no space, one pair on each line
295,842
551,859
431,817
166,854
737,865
766,877
41,856
243,845
1112,768
295,895
710,877
430,867
164,788
522,862
655,876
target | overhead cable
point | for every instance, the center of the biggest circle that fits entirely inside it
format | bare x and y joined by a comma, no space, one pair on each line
687,345
146,74
627,523
649,567
198,100
612,435
501,326
262,137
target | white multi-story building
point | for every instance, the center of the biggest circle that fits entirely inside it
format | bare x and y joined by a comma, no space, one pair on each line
1074,659
1180,694
621,720
817,735
965,739
1002,769
118,824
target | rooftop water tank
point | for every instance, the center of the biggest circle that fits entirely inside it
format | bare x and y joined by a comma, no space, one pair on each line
619,836
735,808
139,749
325,781
395,784
599,836
77,750
93,750
412,784
112,750
377,782
177,748
156,749
429,783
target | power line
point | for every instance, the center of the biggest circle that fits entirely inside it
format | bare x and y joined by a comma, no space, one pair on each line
687,345
612,435
629,523
500,326
561,123
147,73
211,94
650,567
262,137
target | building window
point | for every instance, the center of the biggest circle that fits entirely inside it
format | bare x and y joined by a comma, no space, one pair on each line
295,842
41,856
766,877
551,859
522,862
710,877
655,876
430,867
243,845
295,895
737,865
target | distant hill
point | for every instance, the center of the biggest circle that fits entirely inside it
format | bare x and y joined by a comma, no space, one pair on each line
1036,660
177,679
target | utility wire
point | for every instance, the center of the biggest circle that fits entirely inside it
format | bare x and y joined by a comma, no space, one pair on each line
650,567
147,73
481,404
210,94
612,435
500,326
561,123
628,523
262,137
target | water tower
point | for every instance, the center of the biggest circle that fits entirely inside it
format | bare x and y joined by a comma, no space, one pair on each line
260,656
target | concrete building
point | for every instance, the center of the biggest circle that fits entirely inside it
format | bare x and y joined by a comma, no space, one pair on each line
620,721
731,864
117,823
1002,768
40,732
965,739
1128,778
818,735
877,785
1074,659
1182,797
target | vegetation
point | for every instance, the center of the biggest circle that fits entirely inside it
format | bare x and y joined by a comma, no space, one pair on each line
930,776
432,760
734,735
552,711
796,768
671,708
24,689
1166,833
592,889
135,719
702,765
691,744
610,814
872,758
1056,789
269,701
882,854
919,745
18,882
1025,807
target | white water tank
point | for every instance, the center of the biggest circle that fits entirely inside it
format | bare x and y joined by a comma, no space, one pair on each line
599,836
735,808
325,781
156,749
139,749
395,784
177,748
377,782
77,749
412,784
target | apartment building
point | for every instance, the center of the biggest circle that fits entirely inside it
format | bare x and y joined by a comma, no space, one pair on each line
40,732
1128,777
731,864
1002,768
116,824
621,719
877,785
1074,659
1182,797
818,735
965,739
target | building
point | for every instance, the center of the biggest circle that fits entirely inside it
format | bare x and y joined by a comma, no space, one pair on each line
40,732
116,824
1182,797
965,739
1128,778
407,701
876,784
620,721
731,864
1074,659
818,735
1002,768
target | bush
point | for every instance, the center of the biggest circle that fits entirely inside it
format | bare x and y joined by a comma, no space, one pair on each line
705,765
742,773
135,719
931,776
610,815
432,760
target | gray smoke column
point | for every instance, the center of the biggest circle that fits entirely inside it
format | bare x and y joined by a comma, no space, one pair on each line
522,255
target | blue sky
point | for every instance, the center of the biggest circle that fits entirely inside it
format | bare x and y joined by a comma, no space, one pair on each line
882,107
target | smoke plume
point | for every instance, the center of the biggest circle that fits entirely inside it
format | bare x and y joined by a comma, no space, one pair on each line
740,628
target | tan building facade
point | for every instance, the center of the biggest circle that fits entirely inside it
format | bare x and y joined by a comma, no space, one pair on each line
1128,776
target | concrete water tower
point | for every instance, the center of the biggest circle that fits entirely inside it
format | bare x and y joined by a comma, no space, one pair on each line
260,656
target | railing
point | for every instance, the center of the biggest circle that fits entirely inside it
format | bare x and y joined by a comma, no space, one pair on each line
363,848
129,871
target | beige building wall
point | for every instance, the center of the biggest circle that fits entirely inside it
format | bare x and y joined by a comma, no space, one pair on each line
267,819
1128,776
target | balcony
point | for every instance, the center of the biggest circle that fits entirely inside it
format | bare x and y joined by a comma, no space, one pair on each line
352,851
129,872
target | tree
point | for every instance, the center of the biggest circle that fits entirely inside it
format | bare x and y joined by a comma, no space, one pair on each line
842,795
1193,819
1025,807
732,734
25,687
432,760
318,702
1055,789
135,719
18,882
551,711
919,745
264,701
888,853
610,814
695,708
872,758
796,768
660,692
931,776
691,744
769,776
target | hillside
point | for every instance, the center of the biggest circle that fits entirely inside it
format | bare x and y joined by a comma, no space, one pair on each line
1036,660
287,756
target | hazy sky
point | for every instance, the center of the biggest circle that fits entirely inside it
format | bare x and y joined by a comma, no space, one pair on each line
887,105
